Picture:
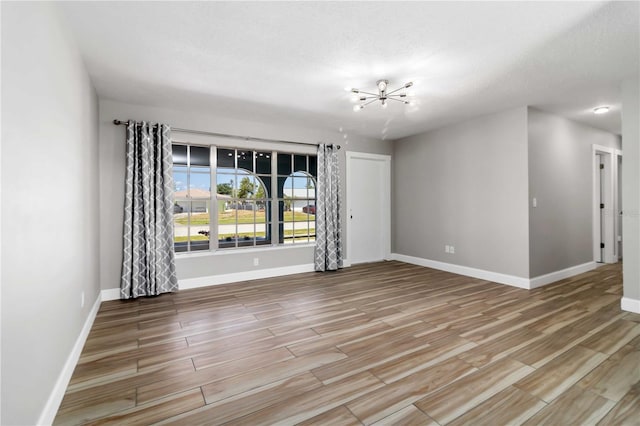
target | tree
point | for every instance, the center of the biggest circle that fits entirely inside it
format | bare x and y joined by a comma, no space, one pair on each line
260,192
247,188
224,188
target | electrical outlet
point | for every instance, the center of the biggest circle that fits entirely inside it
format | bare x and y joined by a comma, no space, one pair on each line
446,249
452,249
256,261
82,299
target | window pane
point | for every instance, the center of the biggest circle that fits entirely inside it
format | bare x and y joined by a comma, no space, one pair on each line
226,227
200,182
225,158
179,181
284,164
245,160
179,154
225,184
313,165
180,226
199,156
199,225
300,232
300,163
263,163
299,187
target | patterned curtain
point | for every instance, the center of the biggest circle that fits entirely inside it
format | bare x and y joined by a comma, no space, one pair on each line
328,251
148,267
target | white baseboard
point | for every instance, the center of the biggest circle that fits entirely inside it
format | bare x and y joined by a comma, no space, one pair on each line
630,305
188,283
511,280
552,277
243,276
55,398
110,294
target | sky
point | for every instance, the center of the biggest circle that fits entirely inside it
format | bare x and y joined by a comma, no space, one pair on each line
202,180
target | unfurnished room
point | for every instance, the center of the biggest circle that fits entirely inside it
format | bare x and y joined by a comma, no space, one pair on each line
320,213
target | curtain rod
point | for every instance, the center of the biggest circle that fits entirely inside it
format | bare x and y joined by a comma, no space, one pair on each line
225,135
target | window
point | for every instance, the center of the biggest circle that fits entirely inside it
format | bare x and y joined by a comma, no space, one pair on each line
192,197
297,201
243,197
240,213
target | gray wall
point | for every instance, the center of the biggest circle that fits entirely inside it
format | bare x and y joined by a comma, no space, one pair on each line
112,165
465,185
49,205
631,189
560,178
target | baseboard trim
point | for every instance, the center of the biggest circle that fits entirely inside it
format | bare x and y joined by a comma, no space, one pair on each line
198,282
110,294
552,277
55,398
630,305
189,283
511,280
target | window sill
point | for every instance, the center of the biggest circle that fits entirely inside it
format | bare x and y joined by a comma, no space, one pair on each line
236,251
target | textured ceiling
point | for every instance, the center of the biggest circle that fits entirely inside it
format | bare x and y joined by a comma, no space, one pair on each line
289,62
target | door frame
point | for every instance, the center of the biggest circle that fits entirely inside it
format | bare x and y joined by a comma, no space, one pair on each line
385,199
610,198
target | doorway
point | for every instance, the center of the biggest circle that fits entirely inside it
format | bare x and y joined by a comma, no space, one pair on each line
368,207
606,218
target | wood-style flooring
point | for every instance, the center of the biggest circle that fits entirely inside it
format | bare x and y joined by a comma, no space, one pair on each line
385,343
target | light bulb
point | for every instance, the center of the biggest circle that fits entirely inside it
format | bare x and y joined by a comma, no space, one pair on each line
382,85
384,103
357,107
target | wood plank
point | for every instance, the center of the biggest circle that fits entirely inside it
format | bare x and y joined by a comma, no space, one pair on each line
408,416
452,401
625,412
339,416
247,402
199,378
265,375
510,406
573,407
311,404
615,377
558,375
386,400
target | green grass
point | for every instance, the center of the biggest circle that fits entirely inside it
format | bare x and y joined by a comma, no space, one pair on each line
244,216
193,238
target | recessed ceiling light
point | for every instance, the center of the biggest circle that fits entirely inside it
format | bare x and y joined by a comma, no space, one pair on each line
601,110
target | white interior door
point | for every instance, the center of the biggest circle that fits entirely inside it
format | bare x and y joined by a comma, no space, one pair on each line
368,207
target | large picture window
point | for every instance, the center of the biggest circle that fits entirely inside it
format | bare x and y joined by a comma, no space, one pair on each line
261,198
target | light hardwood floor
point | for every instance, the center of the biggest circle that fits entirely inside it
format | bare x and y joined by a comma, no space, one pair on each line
385,343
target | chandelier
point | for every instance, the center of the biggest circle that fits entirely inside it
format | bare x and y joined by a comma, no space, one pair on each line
383,95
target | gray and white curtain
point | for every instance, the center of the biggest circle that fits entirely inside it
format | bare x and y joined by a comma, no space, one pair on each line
148,266
328,251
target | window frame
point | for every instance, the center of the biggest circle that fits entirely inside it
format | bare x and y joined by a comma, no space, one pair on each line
272,222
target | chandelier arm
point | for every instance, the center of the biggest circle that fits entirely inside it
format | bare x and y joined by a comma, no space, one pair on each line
367,103
394,91
367,93
397,100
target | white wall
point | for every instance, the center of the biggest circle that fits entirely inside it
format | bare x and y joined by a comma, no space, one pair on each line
194,266
465,185
631,194
49,206
560,178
